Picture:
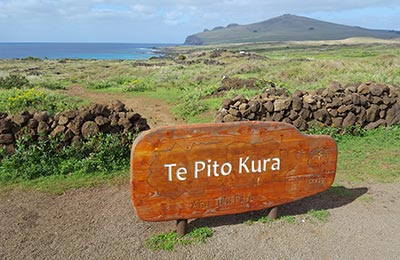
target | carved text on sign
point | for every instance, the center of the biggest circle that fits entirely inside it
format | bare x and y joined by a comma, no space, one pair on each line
212,168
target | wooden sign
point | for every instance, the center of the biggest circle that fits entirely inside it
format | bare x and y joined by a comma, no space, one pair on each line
194,171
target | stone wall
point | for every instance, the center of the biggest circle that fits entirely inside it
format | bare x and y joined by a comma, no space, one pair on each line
73,125
368,105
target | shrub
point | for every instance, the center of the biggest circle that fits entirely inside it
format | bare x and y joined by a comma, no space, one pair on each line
16,100
137,85
103,153
191,103
53,85
181,57
103,84
13,81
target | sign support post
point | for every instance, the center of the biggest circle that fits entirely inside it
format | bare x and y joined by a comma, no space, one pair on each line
181,227
273,213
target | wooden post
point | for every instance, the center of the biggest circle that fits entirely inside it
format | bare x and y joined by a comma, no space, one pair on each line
273,213
181,225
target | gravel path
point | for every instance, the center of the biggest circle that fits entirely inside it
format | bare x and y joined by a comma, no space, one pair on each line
100,223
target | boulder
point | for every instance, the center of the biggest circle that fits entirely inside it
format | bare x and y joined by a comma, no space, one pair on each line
101,120
41,116
226,103
349,120
58,131
20,119
364,88
297,103
269,106
229,118
43,128
6,139
281,104
116,106
372,113
376,90
375,124
89,128
254,106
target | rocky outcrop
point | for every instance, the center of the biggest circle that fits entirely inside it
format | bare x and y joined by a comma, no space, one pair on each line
193,40
368,105
71,125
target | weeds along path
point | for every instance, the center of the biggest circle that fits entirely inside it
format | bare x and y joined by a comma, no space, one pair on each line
100,223
156,111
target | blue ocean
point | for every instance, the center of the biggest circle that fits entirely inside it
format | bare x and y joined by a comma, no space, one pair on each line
100,51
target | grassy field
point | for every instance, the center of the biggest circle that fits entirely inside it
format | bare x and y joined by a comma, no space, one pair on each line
188,77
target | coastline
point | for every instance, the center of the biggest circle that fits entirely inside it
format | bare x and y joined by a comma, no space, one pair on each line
82,51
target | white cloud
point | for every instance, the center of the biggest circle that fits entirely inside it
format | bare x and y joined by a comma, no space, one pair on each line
172,18
183,16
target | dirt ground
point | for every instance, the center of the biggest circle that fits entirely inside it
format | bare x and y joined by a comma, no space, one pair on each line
100,223
155,111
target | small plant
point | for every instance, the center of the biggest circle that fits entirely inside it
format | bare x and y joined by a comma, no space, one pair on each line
191,104
268,220
181,57
288,219
319,215
168,241
13,81
103,84
136,85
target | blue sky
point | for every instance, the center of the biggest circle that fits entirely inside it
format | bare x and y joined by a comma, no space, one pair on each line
155,21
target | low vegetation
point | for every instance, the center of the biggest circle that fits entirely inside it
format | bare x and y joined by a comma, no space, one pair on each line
168,241
29,99
188,79
312,216
100,154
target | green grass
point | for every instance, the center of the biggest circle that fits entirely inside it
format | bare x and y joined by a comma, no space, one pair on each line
317,215
58,184
311,216
365,198
168,241
373,157
341,191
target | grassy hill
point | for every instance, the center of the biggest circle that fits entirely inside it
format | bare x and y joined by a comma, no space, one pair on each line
285,28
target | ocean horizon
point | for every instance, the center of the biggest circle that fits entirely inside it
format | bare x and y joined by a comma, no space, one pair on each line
84,50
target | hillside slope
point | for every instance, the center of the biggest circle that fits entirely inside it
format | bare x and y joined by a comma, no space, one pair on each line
285,28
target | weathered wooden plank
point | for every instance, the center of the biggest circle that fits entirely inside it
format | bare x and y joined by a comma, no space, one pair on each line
194,171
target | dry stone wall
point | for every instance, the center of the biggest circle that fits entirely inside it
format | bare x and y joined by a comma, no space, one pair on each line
73,125
368,105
